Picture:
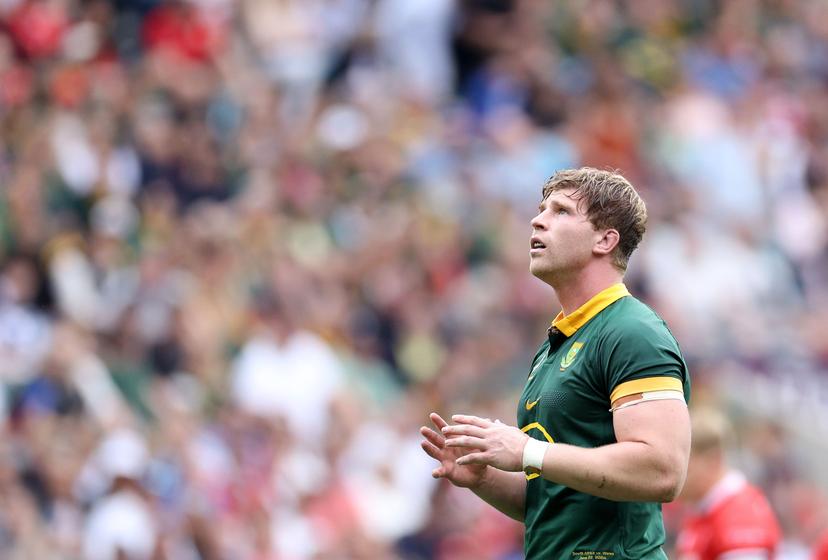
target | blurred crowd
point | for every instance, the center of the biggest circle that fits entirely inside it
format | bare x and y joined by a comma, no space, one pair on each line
247,245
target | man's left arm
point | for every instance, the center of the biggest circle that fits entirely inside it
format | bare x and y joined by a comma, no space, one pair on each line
647,464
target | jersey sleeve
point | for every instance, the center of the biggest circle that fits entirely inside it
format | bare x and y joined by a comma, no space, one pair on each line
641,355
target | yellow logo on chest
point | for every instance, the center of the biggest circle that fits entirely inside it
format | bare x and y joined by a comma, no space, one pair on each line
567,360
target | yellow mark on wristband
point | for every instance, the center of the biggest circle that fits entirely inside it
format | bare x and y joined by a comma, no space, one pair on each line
541,429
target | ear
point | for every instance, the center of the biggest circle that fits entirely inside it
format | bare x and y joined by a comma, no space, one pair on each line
607,242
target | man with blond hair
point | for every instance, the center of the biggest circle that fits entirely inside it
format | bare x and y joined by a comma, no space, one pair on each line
603,433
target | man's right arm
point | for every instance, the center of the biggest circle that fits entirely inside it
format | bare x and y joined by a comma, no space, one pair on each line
503,490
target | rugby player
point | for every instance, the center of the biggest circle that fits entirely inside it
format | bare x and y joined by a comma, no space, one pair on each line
603,433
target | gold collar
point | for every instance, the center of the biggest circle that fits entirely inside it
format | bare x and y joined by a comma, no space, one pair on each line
578,318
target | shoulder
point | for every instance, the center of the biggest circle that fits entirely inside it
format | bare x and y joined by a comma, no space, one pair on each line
749,504
629,320
634,345
632,312
746,520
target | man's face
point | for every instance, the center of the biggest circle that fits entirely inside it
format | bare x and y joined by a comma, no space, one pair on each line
563,238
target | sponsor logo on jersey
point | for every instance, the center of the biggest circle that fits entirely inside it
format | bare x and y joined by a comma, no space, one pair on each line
567,360
531,405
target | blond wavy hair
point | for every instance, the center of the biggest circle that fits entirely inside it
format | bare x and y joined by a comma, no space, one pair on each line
609,201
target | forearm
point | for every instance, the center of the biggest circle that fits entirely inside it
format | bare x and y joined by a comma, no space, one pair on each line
505,491
647,464
624,471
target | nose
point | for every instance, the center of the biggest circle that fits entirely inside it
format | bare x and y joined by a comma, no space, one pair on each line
537,223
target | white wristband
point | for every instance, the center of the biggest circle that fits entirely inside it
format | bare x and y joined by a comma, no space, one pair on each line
533,454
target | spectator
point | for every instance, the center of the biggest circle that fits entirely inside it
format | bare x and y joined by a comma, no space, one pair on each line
729,517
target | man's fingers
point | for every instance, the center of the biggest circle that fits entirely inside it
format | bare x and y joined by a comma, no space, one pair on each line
439,472
437,420
436,439
464,430
432,450
473,420
473,459
466,441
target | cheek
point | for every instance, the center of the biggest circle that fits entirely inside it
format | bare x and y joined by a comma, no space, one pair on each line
575,241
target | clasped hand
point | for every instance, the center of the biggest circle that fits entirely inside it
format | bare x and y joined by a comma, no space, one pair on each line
490,442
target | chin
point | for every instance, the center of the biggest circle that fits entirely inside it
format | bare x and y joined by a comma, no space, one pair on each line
539,271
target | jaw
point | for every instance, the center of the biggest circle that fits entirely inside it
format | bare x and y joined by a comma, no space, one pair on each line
542,269
553,272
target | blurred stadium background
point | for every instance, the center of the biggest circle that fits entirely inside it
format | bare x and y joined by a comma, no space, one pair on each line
247,245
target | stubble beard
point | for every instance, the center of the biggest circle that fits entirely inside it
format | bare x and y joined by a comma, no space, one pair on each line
544,269
553,271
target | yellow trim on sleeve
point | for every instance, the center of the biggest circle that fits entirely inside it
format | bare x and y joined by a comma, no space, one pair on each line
662,383
571,323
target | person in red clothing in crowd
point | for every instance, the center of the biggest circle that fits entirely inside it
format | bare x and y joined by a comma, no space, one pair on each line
729,518
821,548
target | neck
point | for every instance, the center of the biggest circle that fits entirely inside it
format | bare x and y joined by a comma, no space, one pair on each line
577,290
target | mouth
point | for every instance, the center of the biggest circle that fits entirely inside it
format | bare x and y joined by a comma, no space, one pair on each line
536,244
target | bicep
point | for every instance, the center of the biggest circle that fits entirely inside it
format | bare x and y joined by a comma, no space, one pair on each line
662,424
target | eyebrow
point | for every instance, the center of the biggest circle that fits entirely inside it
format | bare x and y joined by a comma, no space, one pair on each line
542,205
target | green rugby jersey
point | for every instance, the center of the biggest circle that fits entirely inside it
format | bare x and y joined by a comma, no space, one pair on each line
611,347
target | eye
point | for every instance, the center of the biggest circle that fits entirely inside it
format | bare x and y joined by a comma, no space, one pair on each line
561,210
